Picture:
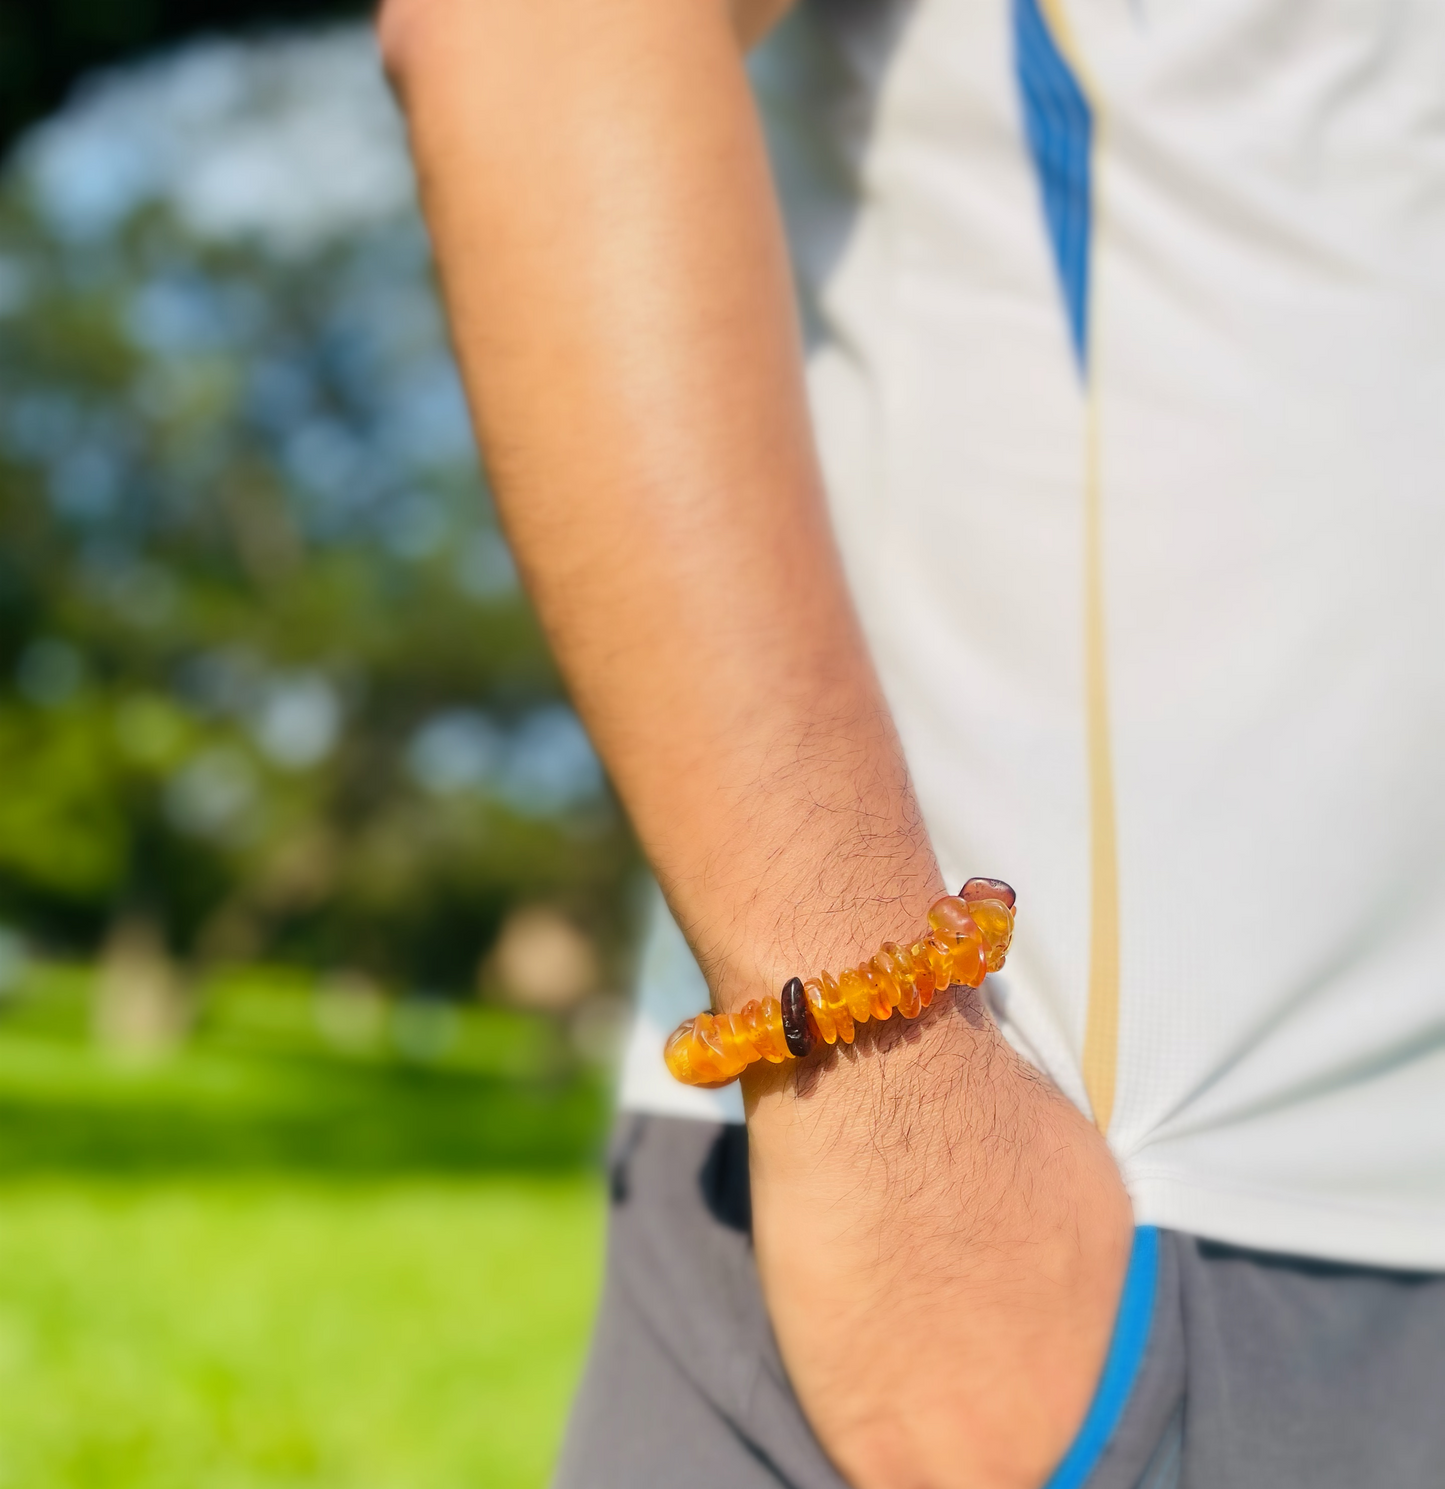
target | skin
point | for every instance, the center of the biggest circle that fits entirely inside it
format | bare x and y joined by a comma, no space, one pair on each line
941,1237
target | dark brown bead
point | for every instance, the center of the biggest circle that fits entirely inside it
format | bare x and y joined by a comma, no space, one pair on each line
795,1018
987,889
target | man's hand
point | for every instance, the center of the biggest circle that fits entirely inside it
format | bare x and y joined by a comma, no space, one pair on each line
941,1238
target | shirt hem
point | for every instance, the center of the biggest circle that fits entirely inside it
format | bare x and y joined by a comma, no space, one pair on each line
1337,1230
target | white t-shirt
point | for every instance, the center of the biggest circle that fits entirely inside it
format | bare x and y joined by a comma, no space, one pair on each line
1127,325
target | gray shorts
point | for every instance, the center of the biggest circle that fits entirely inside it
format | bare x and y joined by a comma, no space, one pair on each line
1259,1370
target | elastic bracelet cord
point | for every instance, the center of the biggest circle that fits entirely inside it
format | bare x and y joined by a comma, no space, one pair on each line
968,936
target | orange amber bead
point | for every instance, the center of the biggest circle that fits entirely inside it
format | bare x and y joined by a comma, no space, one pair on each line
838,1007
771,1018
939,952
951,915
818,1007
909,1003
699,1056
734,1037
923,976
968,963
764,1028
880,1005
855,995
742,1027
968,935
715,1034
892,965
996,921
677,1052
954,927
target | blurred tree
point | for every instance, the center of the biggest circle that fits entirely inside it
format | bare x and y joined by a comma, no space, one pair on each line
268,679
46,45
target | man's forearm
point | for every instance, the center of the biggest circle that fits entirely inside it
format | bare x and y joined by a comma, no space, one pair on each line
597,189
620,297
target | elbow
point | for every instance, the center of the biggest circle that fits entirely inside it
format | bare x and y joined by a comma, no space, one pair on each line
400,25
403,26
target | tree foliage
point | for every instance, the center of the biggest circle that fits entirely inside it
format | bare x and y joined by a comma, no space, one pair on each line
267,674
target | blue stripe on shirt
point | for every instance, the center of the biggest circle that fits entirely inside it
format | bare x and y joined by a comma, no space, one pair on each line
1060,126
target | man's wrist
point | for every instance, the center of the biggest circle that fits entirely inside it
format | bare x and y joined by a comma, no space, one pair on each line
755,952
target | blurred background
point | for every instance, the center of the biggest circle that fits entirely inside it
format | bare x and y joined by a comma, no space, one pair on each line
314,903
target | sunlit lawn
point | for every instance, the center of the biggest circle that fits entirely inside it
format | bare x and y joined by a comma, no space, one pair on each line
260,1263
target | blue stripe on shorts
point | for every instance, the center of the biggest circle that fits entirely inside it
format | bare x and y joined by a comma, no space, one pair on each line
1126,1354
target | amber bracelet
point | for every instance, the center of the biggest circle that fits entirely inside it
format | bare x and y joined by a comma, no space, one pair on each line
968,935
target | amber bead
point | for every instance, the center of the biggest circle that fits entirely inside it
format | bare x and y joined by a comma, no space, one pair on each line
892,965
855,995
968,964
988,889
955,928
996,921
765,1029
706,1061
968,935
734,1036
951,915
838,1007
677,1052
733,1052
794,1012
731,1042
744,1022
818,1007
893,960
702,1056
880,1006
923,975
939,952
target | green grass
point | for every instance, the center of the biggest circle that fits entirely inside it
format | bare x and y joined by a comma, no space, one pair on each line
248,1333
264,1262
259,1087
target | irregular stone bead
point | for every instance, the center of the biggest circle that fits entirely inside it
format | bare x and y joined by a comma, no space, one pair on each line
677,1052
743,1022
794,1006
734,1037
818,1007
996,921
890,970
714,1032
940,960
968,963
855,995
707,1068
882,1005
951,915
923,978
903,957
838,1007
955,927
765,1028
988,889
968,935
900,968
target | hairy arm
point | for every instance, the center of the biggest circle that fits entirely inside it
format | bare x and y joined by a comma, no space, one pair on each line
941,1238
